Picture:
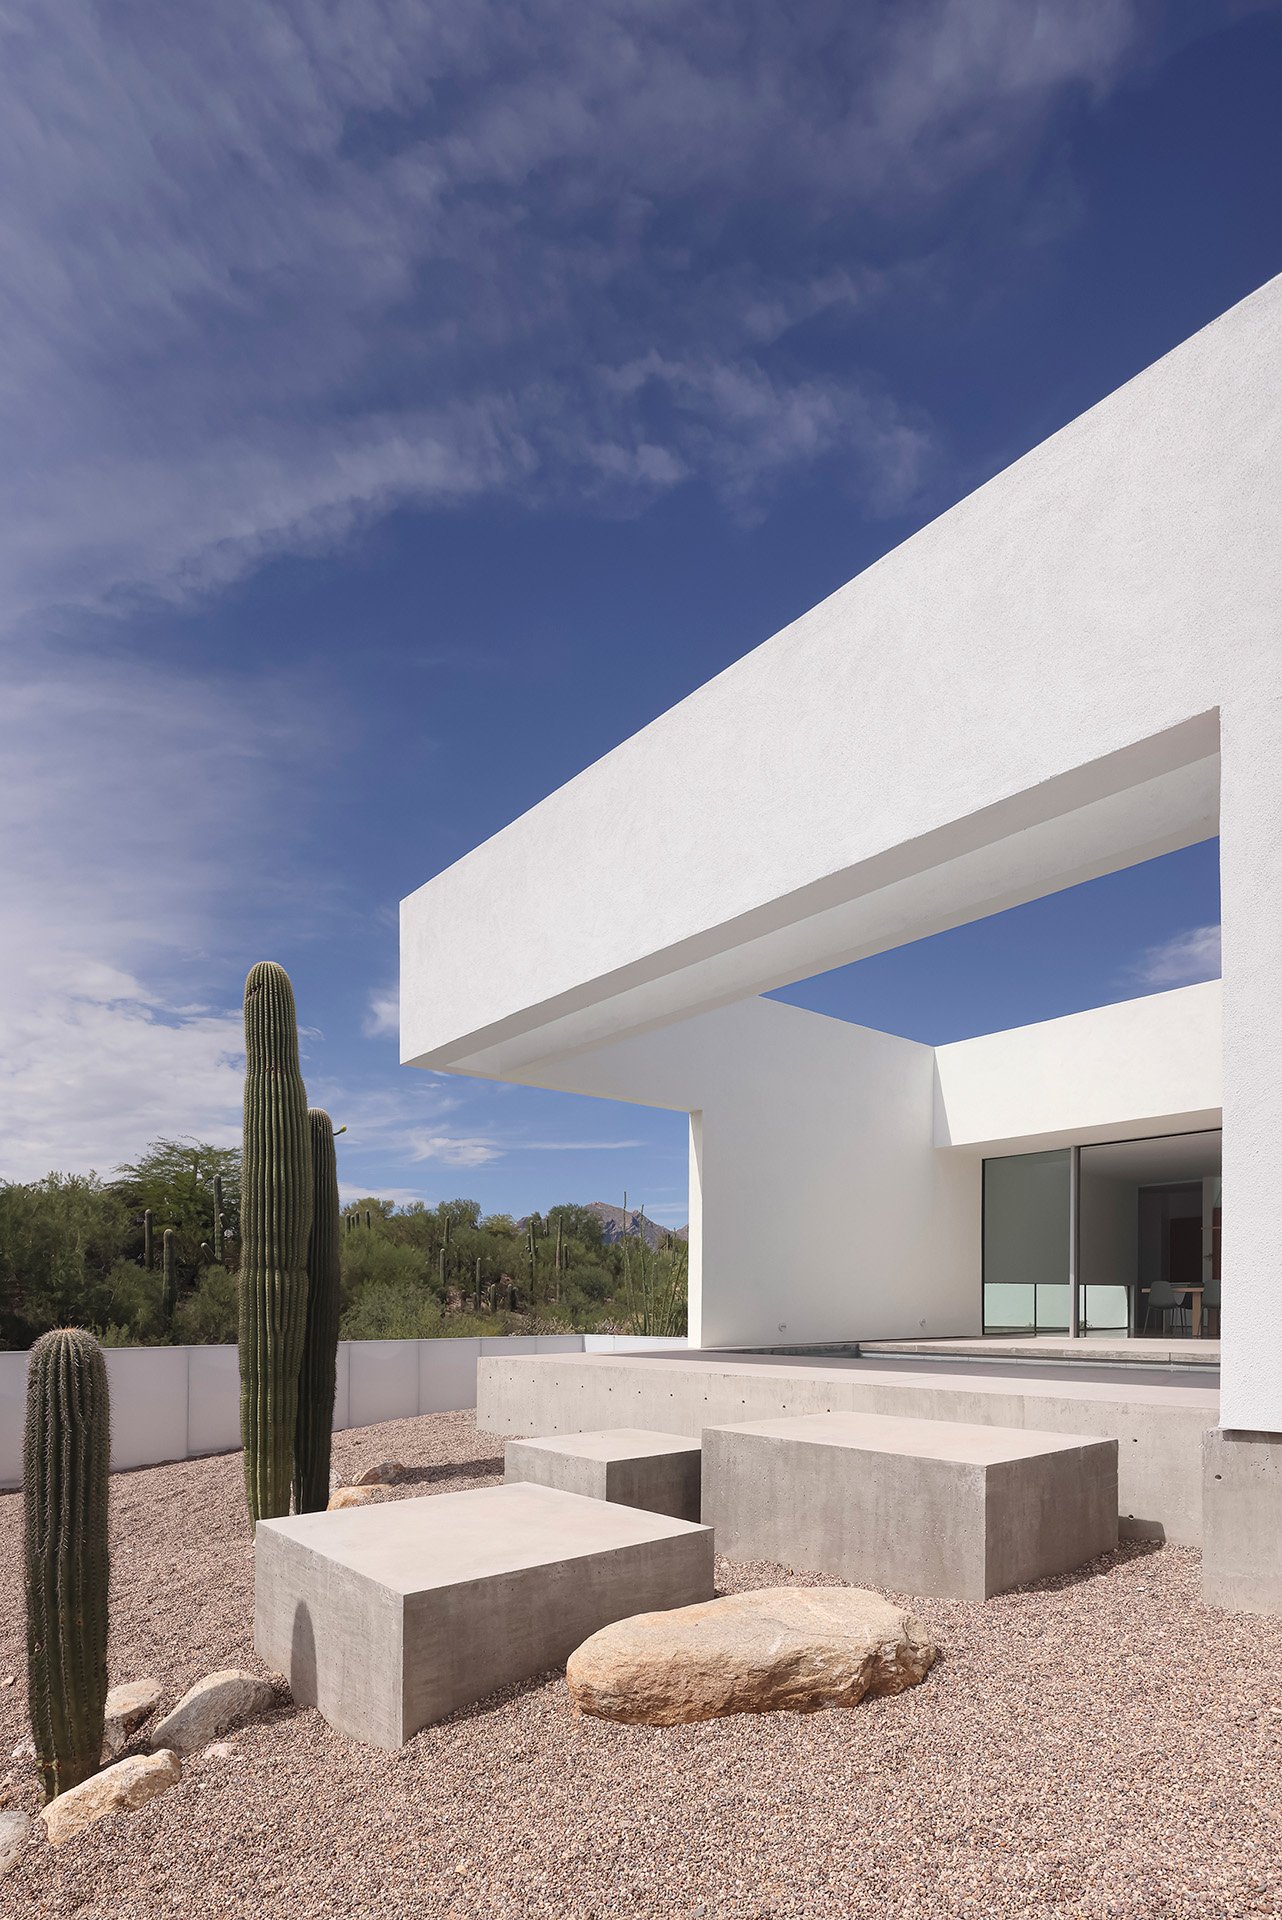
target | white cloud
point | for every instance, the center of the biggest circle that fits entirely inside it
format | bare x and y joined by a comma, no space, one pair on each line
478,1150
348,1195
384,1014
143,813
272,271
1182,960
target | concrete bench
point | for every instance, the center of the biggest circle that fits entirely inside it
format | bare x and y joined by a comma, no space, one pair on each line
389,1617
629,1465
919,1506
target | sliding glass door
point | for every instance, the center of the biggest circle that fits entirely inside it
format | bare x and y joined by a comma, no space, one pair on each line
1134,1223
1027,1213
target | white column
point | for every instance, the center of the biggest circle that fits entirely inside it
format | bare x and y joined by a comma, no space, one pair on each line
694,1236
1251,879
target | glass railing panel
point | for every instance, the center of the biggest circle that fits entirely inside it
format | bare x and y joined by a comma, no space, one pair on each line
1009,1309
1052,1308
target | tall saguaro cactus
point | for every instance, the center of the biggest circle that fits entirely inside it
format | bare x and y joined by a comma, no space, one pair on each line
65,1458
319,1370
148,1246
276,1223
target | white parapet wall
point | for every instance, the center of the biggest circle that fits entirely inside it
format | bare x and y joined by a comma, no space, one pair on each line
176,1403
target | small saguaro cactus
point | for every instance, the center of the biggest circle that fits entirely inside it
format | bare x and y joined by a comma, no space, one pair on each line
169,1285
148,1240
319,1369
478,1283
441,1280
276,1224
66,1448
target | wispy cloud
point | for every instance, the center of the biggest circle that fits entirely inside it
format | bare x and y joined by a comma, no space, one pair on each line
399,1196
383,1015
272,271
130,837
479,1150
1181,961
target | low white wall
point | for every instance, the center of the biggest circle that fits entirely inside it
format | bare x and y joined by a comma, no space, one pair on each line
174,1403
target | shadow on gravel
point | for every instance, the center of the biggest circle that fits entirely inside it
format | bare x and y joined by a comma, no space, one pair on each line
478,1709
448,1470
1121,1556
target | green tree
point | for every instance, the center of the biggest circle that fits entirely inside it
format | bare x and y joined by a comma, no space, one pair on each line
60,1238
175,1179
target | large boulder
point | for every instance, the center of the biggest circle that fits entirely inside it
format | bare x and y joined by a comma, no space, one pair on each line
362,1496
127,1707
384,1473
781,1648
119,1789
214,1704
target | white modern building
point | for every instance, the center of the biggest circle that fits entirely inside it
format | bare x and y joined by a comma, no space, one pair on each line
1075,669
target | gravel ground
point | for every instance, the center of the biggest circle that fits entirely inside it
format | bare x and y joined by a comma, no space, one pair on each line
1097,1746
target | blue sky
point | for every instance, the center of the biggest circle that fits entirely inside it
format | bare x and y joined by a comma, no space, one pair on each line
408,402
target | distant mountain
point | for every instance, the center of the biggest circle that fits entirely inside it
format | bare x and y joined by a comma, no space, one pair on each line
616,1224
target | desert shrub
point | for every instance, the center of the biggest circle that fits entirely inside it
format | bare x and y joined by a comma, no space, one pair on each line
208,1314
135,1306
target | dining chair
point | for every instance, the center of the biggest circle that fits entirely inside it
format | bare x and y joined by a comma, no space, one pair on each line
1163,1300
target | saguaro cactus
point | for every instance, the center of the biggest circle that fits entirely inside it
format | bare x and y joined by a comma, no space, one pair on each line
169,1283
219,1228
276,1223
319,1369
64,1487
148,1244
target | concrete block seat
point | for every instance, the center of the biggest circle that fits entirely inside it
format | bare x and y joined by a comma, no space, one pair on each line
919,1506
389,1617
633,1466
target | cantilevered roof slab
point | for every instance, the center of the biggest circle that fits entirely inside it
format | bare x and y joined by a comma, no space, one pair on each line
1031,691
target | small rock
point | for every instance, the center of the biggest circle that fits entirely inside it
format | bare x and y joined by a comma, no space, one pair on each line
385,1474
221,1750
127,1707
119,1789
219,1701
780,1648
14,1828
25,1750
8,1679
362,1496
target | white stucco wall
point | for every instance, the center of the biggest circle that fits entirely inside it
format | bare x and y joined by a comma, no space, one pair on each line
1138,1067
1065,635
1077,666
828,1212
821,1207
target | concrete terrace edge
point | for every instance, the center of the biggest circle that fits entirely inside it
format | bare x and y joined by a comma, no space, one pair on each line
1158,1428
